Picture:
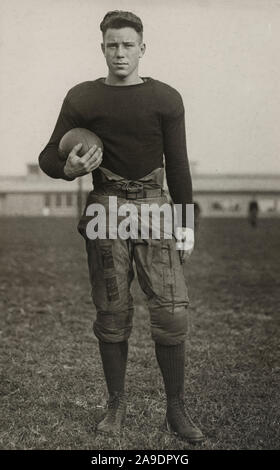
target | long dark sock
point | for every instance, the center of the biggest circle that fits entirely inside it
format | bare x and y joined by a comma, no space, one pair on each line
114,359
171,360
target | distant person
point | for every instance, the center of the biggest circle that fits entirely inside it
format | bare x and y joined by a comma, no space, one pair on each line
197,214
253,213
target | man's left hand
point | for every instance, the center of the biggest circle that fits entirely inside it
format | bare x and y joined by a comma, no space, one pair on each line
185,242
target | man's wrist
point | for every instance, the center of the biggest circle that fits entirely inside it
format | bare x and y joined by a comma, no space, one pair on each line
67,175
185,239
184,233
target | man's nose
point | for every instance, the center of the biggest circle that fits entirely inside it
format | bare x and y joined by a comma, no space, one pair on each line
120,51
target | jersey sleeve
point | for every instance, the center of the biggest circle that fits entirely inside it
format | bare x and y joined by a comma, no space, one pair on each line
49,160
178,174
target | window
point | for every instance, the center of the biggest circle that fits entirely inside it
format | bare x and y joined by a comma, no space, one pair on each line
231,205
226,205
217,206
47,200
58,200
69,199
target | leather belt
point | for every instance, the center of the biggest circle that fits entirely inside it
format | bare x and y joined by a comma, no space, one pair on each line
129,190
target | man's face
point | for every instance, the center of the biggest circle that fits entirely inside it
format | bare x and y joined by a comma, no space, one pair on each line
122,49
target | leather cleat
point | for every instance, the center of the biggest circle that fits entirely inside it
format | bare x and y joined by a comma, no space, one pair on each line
178,421
115,416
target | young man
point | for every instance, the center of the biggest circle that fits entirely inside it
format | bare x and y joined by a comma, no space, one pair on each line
138,119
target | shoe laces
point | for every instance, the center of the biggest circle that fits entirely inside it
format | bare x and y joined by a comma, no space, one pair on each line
115,401
178,405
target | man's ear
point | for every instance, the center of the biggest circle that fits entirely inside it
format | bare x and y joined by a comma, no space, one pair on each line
142,49
102,48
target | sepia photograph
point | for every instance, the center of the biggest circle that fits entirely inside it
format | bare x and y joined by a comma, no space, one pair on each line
140,227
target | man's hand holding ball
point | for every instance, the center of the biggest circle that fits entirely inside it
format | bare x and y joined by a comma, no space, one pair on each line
78,166
82,151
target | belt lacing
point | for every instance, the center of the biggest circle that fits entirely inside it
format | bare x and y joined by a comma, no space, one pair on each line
132,186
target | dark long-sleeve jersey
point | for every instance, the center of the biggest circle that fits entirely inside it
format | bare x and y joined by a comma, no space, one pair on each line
137,124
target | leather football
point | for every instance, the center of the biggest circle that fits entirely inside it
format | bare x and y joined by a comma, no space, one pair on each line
76,136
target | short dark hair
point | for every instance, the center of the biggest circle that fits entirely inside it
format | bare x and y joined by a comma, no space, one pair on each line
120,19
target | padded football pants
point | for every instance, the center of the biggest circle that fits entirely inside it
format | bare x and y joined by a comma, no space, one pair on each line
159,271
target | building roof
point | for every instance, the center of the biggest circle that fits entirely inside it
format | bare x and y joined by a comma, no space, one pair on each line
236,183
40,184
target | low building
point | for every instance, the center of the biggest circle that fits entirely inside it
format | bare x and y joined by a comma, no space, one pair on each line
231,195
35,194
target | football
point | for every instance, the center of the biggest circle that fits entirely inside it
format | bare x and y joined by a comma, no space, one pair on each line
76,136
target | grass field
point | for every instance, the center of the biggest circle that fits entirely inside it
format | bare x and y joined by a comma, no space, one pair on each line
52,386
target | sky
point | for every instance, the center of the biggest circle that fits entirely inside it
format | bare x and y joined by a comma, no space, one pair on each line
221,55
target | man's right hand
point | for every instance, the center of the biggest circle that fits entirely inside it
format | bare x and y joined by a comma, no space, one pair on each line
78,166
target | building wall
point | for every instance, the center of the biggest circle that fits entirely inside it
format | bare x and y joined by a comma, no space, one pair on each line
236,204
65,204
38,204
59,204
23,204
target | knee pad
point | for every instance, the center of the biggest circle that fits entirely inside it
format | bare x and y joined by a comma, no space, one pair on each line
113,327
169,328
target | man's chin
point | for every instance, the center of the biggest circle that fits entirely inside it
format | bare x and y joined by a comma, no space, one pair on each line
121,74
